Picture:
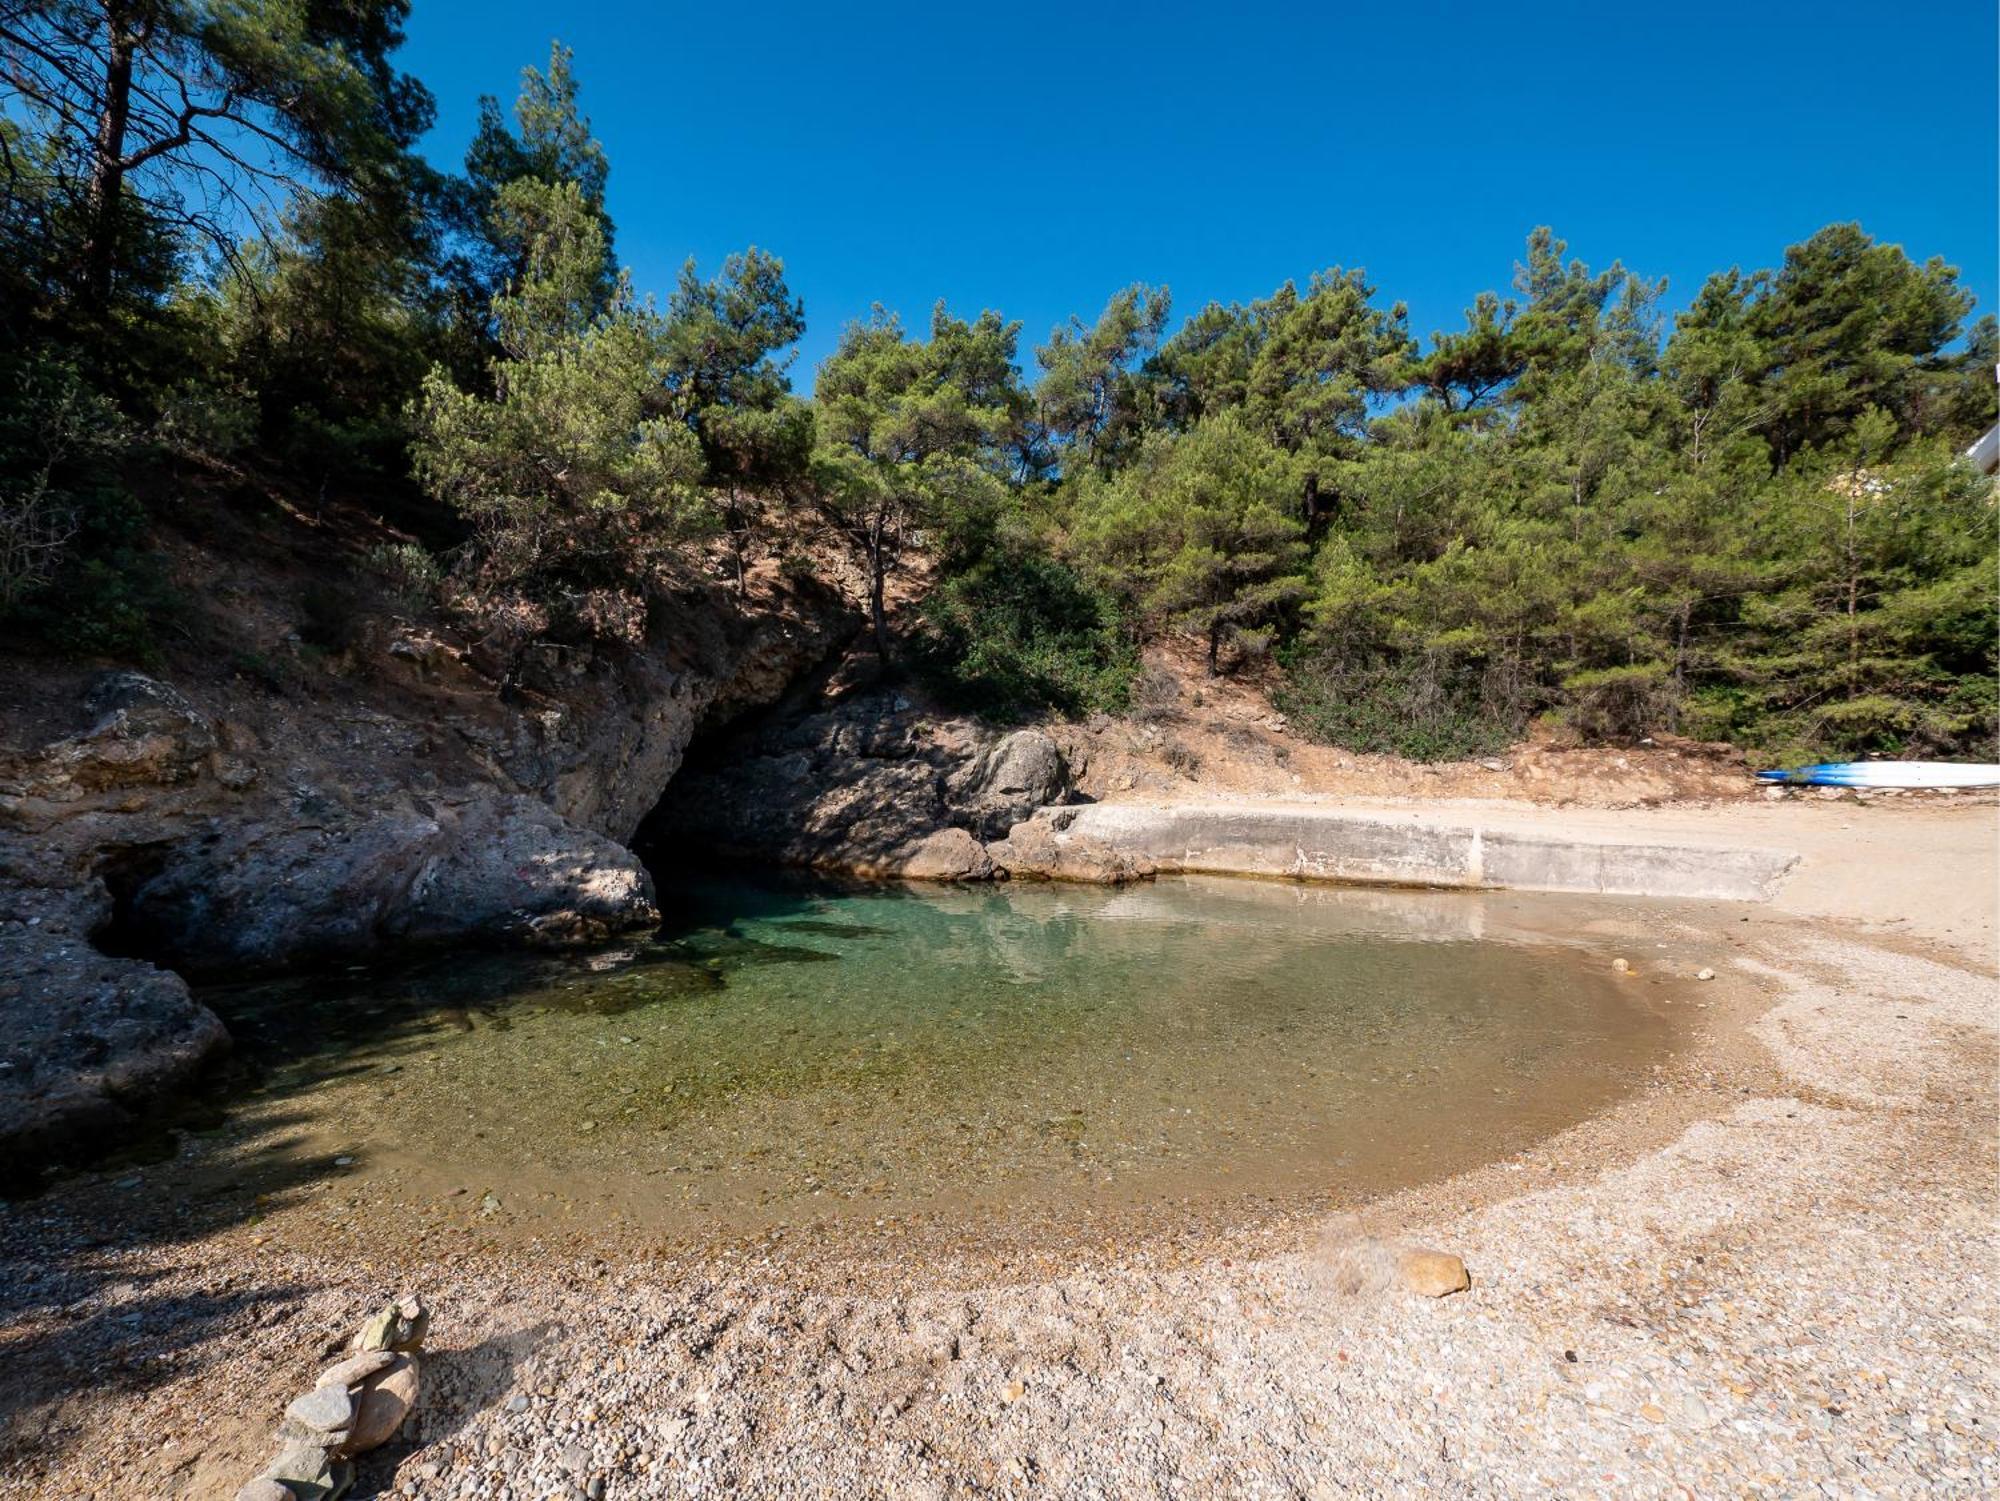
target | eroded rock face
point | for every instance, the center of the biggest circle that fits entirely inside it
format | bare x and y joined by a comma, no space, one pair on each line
142,733
873,787
601,732
1009,779
261,896
86,1040
442,790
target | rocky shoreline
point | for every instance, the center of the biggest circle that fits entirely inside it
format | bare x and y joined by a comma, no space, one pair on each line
153,834
1764,1277
161,840
878,787
151,830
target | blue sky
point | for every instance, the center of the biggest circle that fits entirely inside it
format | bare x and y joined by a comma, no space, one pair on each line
1035,157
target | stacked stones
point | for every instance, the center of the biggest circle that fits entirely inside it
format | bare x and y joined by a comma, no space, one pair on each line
354,1406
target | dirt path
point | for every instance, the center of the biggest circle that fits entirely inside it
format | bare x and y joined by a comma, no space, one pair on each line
1776,1280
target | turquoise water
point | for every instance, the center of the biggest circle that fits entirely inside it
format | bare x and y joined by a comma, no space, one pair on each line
785,1052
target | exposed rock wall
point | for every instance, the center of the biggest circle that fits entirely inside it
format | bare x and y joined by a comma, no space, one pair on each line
86,1040
878,787
496,868
438,792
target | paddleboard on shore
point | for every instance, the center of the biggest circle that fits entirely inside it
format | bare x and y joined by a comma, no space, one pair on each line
1888,774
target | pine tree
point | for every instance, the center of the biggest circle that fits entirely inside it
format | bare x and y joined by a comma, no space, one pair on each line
1090,397
580,470
910,432
1201,533
194,117
724,339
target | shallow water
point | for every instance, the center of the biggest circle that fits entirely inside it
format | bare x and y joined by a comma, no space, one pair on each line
787,1052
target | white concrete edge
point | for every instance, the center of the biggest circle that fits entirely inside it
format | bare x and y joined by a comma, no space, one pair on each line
1369,848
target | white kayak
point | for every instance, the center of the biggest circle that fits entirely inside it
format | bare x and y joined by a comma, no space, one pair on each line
1889,774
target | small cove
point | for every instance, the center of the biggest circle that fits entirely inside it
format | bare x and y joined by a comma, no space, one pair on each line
789,1054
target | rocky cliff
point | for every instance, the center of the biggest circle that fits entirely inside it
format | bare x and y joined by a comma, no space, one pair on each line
423,789
879,786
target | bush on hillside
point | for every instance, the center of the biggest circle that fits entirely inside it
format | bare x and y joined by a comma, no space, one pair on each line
1018,633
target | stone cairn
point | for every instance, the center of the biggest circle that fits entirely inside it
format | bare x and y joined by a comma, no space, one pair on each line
357,1404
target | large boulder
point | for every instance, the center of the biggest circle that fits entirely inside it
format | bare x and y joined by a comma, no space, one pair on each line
266,896
1046,848
87,1041
943,855
1008,780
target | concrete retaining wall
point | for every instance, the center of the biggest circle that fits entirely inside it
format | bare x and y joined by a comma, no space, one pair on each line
1433,848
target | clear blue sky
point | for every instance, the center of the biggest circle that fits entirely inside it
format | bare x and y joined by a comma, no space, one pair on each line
1035,157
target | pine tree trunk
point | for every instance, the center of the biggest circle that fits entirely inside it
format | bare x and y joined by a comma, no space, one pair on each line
739,541
107,162
878,578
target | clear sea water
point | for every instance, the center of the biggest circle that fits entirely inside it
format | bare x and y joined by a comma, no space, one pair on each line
787,1052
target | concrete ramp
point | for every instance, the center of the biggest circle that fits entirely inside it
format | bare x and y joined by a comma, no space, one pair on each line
1426,847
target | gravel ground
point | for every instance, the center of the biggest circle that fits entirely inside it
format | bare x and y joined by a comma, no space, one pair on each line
1792,1294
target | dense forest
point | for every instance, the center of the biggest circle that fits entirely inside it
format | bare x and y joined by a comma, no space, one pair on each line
222,253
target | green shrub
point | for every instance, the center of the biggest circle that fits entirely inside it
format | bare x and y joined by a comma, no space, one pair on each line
409,573
1427,706
205,421
1017,632
329,616
75,573
1619,703
57,438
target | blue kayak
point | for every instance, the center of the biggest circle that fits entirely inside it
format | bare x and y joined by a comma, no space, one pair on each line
1889,774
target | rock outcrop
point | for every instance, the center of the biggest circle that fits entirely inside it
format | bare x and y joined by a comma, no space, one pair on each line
266,895
421,790
86,1040
874,787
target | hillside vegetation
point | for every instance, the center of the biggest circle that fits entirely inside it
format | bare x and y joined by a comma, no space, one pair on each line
1749,522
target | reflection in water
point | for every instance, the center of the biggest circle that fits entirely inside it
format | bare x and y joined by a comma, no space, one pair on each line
786,1050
